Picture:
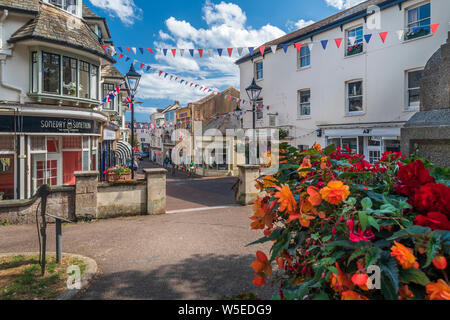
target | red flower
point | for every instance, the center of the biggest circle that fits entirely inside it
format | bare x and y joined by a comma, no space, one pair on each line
433,198
412,177
433,220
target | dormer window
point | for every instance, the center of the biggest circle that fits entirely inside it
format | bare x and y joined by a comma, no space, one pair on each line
71,6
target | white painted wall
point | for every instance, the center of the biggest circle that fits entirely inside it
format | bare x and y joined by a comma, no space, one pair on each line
382,68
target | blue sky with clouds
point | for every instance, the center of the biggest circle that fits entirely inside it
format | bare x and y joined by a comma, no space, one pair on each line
200,24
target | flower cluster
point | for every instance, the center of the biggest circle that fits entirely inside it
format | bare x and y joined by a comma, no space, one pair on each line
333,218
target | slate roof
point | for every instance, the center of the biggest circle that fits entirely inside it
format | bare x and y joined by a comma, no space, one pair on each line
110,71
332,22
54,25
30,6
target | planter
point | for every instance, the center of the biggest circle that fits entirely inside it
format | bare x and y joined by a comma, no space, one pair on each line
114,177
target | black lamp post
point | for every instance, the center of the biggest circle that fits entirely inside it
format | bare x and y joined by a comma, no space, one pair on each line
253,92
132,78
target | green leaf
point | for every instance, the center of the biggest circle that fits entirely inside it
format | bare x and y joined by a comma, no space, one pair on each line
363,219
330,149
373,223
356,254
414,276
372,256
389,276
351,201
321,296
274,236
432,248
410,232
366,203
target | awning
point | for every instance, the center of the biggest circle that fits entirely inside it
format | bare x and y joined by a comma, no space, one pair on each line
123,152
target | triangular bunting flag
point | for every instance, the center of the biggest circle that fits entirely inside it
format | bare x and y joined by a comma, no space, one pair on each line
324,44
128,49
134,50
120,49
240,50
160,73
285,47
400,34
150,49
367,37
262,49
230,51
141,50
219,51
310,46
434,27
273,48
338,42
127,59
148,68
191,51
174,52
142,65
200,52
181,52
121,56
298,45
165,52
250,50
383,36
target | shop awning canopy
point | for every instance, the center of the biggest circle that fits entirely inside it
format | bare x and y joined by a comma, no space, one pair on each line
123,152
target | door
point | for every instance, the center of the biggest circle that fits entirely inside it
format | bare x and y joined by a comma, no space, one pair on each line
374,149
47,170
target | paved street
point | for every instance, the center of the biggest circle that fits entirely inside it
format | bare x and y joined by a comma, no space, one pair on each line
180,255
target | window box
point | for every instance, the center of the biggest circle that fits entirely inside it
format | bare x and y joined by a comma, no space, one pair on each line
356,49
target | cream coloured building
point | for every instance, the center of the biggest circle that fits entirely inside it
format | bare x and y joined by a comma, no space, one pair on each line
359,95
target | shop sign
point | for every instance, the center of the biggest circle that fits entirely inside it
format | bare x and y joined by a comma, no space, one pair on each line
47,125
109,135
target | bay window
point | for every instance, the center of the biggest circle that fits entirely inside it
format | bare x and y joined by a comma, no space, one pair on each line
61,75
107,89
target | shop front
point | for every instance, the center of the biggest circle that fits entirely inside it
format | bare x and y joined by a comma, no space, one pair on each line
371,143
107,149
38,150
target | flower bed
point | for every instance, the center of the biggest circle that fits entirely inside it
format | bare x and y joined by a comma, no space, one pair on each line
345,229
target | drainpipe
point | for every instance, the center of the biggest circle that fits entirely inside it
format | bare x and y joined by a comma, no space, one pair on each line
3,56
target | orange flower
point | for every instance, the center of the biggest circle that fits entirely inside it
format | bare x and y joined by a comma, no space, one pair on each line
360,279
440,262
262,269
263,214
317,147
335,192
340,282
352,295
286,199
269,181
303,218
305,165
405,293
438,290
314,196
404,256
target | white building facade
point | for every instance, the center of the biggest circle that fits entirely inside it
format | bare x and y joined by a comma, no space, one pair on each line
359,95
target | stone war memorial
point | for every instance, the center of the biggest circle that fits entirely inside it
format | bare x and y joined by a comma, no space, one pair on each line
429,129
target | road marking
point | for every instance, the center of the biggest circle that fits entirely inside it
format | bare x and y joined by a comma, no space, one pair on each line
203,209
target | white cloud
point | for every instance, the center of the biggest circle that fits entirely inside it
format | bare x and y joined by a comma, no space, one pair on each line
125,10
226,28
144,110
343,4
291,25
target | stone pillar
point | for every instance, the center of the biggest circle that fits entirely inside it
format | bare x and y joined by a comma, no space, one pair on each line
156,191
430,128
86,193
247,192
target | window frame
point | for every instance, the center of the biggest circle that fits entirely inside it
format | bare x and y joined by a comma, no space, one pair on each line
347,40
408,24
408,107
300,104
300,57
261,62
347,98
64,4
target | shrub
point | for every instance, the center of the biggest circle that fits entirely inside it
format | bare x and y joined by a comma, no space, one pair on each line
333,217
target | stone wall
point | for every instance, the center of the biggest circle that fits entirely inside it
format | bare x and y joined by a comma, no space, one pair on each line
89,198
61,202
121,199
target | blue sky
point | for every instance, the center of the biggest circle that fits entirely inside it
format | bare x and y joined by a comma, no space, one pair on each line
200,24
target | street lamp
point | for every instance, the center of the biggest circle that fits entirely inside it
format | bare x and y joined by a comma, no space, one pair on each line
253,92
132,78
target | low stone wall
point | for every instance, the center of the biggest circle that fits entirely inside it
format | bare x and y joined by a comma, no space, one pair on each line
121,199
61,202
89,198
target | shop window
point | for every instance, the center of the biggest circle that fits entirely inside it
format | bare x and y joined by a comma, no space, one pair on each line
7,143
37,143
350,145
71,142
391,145
6,176
70,77
71,164
51,72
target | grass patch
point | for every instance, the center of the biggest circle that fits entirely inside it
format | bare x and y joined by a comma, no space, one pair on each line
20,277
